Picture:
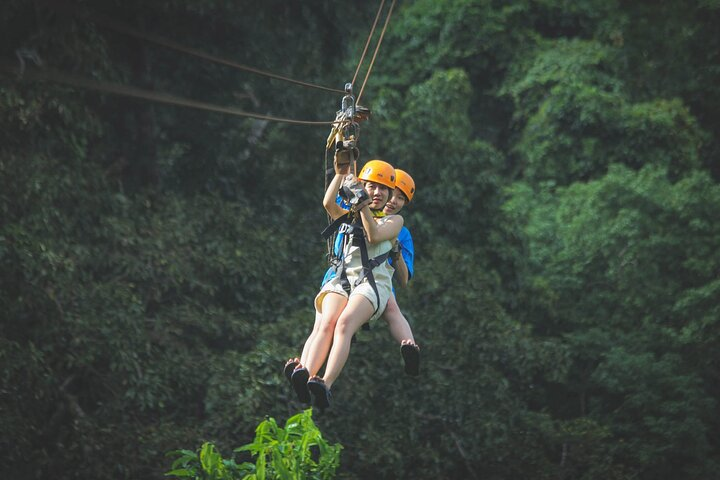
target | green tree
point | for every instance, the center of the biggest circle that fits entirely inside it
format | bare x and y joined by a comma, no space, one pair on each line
575,120
610,262
158,264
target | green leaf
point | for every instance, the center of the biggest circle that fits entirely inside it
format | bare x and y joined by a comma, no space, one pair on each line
182,472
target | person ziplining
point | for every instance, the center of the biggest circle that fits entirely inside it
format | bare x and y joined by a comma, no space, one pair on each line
402,259
348,276
365,256
362,286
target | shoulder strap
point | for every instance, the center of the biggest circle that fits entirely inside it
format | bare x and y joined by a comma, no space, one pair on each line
367,263
330,229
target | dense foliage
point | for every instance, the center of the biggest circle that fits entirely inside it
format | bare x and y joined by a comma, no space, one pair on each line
296,452
158,263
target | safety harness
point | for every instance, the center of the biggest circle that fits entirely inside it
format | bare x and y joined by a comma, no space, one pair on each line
352,231
344,136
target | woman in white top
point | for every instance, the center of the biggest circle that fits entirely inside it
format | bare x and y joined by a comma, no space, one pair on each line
342,313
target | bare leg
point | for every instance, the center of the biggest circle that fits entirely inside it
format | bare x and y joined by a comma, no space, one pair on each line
357,312
398,324
311,338
332,305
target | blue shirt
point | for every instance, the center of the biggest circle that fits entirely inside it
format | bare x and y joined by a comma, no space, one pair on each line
408,251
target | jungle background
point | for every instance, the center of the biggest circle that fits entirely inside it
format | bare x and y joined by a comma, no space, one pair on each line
158,263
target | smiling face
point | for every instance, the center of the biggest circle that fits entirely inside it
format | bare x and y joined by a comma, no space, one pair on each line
396,202
378,193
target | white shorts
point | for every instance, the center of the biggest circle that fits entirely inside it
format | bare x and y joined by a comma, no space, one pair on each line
364,289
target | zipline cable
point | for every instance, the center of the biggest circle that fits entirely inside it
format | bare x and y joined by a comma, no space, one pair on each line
113,25
346,117
367,43
46,74
377,48
56,76
326,170
337,125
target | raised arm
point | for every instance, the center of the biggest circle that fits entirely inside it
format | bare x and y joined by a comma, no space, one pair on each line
331,206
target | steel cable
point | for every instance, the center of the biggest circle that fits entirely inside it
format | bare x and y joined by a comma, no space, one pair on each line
102,20
46,74
377,48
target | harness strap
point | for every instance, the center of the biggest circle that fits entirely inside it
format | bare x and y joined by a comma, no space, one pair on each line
367,267
372,263
335,224
340,273
330,229
357,232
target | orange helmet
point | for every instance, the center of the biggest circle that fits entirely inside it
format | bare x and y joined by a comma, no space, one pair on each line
405,183
380,172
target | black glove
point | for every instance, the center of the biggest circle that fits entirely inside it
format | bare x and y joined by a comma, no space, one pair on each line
396,251
353,192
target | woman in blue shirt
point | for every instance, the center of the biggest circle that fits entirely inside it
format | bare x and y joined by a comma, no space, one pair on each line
402,259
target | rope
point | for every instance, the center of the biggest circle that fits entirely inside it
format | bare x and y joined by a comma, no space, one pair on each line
367,44
357,70
377,47
197,53
128,91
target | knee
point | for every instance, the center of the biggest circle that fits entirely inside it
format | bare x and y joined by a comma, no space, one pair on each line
392,314
391,309
343,327
327,325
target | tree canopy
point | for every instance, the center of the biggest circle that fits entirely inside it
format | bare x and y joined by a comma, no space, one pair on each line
158,263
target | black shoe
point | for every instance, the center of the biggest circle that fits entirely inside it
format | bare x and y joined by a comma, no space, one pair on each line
290,367
320,393
299,380
411,357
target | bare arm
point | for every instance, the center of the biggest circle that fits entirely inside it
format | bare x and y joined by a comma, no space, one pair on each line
333,209
378,233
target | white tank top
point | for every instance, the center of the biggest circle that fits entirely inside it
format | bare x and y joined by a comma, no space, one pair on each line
353,262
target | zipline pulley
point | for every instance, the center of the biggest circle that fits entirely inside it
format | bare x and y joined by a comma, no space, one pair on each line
346,129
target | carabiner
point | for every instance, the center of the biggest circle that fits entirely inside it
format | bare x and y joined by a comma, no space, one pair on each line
348,103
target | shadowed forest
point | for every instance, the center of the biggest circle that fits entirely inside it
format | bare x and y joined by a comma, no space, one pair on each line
158,263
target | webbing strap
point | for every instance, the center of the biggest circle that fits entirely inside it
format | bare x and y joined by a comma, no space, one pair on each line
367,268
340,273
330,229
372,263
357,232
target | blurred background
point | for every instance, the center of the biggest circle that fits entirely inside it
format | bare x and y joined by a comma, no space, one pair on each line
158,263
